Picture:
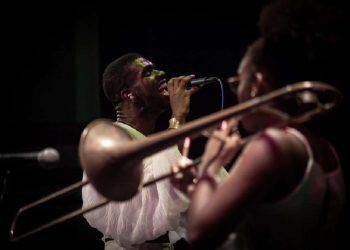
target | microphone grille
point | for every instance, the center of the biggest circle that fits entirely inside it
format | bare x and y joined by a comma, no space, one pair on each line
48,158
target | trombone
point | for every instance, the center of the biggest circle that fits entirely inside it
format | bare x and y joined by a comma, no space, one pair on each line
103,148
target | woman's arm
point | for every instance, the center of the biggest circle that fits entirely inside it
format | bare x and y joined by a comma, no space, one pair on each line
216,210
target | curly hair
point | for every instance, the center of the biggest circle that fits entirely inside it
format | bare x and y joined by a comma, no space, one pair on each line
308,18
113,80
300,41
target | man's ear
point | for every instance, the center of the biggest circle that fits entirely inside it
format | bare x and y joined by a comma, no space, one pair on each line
127,95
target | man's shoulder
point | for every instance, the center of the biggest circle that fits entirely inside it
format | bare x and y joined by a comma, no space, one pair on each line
133,133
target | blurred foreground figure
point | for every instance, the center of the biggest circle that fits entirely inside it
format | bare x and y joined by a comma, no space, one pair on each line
285,189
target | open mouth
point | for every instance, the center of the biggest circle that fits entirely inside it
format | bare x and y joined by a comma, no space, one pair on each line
163,88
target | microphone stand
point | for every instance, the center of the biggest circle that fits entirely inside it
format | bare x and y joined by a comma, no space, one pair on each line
4,184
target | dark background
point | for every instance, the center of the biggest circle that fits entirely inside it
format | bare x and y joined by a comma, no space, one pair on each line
52,59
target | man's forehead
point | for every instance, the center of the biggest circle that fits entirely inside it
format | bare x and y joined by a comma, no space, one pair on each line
143,62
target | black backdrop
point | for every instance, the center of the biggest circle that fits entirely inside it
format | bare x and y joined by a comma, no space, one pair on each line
53,56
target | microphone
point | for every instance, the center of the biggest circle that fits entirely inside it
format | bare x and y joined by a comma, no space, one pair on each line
200,82
46,158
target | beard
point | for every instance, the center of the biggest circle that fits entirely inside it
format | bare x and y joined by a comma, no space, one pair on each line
154,103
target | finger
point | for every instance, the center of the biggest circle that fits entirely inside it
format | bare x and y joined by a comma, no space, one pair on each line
186,147
233,122
233,141
194,89
170,84
225,128
185,80
224,124
177,81
218,136
233,126
229,150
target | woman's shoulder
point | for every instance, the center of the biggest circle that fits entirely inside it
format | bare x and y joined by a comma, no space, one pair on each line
284,140
286,149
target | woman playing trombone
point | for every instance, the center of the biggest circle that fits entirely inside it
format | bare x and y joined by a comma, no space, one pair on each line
285,188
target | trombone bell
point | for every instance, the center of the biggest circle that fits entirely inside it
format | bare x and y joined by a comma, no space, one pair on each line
101,144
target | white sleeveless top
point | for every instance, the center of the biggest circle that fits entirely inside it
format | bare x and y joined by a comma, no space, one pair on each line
155,210
302,220
150,214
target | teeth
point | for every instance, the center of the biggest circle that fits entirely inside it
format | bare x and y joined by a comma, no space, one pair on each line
163,89
164,92
163,85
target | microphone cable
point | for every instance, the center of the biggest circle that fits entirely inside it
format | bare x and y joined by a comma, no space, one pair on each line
222,93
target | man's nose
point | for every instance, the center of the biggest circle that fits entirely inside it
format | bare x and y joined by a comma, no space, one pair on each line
160,74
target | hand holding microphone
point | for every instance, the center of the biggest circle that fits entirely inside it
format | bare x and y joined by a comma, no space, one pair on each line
180,90
179,96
